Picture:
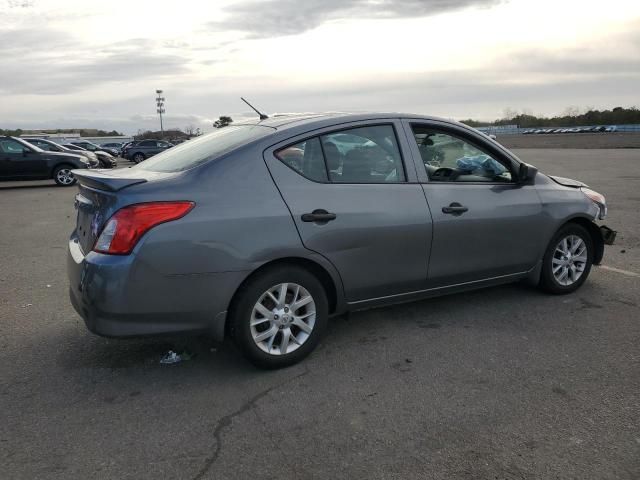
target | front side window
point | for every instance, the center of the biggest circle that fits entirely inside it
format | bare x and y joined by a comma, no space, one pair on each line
357,155
448,158
148,143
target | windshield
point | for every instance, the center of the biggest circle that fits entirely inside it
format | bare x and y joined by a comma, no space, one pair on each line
202,149
73,147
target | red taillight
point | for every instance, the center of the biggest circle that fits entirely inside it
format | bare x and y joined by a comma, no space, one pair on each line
127,225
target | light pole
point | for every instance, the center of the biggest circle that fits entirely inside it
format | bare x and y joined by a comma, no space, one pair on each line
160,109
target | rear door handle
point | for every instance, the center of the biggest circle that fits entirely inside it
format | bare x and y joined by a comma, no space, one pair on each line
318,216
454,209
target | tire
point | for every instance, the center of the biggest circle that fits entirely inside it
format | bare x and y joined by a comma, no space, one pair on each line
63,177
282,320
554,259
138,157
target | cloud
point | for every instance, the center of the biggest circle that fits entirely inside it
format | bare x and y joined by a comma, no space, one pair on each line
275,18
42,61
581,62
58,72
17,41
17,3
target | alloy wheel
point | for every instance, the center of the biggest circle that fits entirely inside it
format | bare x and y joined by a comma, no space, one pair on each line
569,260
283,318
64,176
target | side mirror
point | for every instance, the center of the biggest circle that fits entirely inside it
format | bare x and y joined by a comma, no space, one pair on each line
25,152
527,173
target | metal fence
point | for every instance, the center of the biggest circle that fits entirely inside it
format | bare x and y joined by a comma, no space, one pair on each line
514,129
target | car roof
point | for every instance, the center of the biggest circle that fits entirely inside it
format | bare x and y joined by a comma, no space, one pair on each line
319,120
38,138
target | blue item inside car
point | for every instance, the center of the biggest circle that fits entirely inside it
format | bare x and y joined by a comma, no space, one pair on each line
479,164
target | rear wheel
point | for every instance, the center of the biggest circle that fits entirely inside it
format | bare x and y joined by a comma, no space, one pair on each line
568,259
138,157
63,176
279,316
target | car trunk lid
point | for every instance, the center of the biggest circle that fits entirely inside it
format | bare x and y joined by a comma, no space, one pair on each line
100,196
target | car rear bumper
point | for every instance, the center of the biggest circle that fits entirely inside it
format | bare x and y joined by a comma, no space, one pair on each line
116,296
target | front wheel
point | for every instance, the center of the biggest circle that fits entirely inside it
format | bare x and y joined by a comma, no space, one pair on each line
567,261
279,316
63,177
138,157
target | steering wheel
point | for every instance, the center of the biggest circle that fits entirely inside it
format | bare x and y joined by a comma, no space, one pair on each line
445,173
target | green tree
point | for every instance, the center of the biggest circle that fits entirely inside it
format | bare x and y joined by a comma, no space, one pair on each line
222,121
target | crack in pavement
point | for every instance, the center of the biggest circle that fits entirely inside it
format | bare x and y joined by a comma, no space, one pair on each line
227,420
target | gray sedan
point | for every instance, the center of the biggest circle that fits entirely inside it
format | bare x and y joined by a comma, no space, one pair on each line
262,231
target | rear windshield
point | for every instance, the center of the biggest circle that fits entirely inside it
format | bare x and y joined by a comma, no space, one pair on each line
202,149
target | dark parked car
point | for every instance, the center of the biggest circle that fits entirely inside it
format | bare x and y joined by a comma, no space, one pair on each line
19,160
261,231
51,146
106,160
143,149
92,147
114,148
115,145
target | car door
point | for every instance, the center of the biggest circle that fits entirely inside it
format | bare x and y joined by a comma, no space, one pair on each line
148,147
357,205
20,161
484,221
157,147
162,146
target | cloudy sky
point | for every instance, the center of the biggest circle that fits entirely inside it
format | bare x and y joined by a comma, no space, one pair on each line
96,63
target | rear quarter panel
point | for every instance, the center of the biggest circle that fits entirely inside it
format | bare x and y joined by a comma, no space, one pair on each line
240,220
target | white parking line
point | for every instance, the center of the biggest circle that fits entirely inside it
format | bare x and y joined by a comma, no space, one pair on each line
618,270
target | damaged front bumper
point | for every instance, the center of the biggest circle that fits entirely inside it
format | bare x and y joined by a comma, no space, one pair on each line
608,235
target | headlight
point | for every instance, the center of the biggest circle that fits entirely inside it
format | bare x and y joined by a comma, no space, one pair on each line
598,199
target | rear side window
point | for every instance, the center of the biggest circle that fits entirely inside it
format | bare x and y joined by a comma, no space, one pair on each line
357,155
202,149
305,158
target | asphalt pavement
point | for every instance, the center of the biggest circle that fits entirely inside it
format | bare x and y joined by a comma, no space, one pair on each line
501,383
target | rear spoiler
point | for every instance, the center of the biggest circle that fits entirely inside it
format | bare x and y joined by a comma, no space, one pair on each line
104,181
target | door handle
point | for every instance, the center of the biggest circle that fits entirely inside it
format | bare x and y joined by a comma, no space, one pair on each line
318,216
454,209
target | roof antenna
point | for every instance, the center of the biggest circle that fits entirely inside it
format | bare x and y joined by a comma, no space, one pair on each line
262,115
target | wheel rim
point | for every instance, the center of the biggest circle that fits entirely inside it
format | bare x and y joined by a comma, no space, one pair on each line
283,319
569,260
138,158
64,176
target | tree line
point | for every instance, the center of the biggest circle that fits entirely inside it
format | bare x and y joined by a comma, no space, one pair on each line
83,132
571,117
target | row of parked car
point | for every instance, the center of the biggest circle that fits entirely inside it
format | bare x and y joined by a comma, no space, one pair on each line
136,151
38,158
140,150
598,129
